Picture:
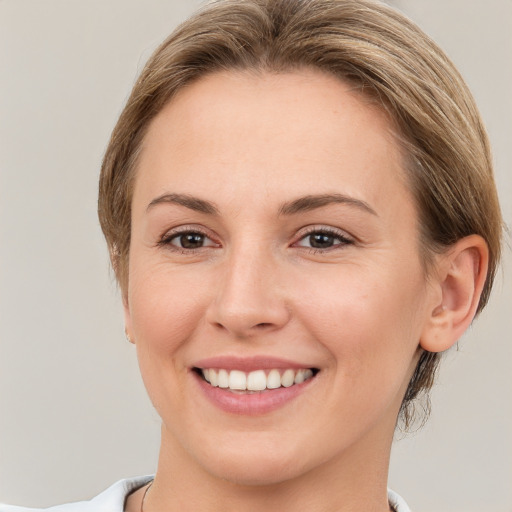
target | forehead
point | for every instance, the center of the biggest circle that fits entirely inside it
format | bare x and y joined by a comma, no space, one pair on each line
244,134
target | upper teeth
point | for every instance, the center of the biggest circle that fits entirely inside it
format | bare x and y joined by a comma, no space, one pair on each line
257,380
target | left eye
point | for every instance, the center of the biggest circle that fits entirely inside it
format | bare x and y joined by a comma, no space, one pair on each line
323,240
190,240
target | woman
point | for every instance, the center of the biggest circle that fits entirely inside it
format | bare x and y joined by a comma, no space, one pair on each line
300,209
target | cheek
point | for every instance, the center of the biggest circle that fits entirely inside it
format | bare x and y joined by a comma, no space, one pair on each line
166,308
165,312
365,320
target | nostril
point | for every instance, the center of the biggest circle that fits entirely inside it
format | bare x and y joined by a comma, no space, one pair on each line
262,325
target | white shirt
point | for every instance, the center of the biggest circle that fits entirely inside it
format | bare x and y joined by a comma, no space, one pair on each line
113,499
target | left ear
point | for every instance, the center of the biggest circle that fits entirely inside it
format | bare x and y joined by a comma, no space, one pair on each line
458,283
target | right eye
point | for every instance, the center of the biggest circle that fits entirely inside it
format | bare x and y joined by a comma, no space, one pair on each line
187,240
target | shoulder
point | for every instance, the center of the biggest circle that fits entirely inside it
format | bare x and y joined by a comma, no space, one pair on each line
110,500
396,501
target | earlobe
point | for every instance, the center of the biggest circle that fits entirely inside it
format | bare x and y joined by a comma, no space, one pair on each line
460,278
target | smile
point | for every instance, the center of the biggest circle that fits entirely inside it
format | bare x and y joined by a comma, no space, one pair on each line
252,385
258,380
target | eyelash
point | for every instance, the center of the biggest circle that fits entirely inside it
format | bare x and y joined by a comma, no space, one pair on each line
166,240
344,240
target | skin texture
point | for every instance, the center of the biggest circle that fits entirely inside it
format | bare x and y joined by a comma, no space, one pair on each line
357,310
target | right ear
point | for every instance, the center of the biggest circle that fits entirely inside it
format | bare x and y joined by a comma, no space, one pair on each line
127,319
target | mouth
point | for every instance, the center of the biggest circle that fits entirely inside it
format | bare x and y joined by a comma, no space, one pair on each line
252,386
256,381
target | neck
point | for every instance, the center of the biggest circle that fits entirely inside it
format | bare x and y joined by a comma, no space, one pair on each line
355,481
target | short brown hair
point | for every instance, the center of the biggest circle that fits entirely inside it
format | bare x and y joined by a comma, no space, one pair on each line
366,43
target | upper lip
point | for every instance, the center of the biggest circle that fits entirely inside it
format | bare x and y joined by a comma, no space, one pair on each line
248,364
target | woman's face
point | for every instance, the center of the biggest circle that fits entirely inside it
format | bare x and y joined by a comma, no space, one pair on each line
274,238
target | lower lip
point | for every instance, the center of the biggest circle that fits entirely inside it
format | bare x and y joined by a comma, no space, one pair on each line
251,404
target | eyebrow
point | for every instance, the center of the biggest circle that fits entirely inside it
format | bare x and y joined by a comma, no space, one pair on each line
191,202
302,204
311,202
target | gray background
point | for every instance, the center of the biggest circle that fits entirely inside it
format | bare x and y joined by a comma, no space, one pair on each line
74,416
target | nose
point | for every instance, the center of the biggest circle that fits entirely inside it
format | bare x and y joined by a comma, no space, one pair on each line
250,298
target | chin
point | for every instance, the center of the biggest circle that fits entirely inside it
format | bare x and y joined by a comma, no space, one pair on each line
256,472
254,464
